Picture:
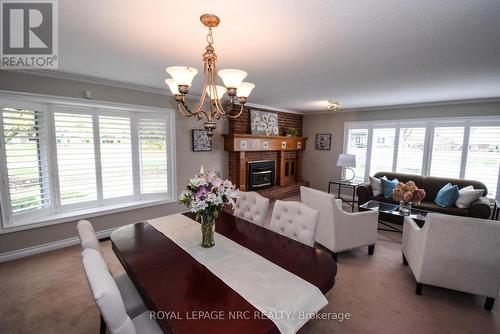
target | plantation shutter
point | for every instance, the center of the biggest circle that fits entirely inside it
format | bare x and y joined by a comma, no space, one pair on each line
24,136
116,156
153,155
447,151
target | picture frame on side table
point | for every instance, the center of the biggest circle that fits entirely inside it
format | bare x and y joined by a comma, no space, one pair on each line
202,142
323,141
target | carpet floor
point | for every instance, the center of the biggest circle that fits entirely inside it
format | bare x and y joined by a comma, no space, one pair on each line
48,293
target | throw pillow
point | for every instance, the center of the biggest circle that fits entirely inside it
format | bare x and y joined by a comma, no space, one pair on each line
376,186
467,196
447,196
388,186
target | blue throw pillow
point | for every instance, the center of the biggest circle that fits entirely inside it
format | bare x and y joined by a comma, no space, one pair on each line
388,186
447,196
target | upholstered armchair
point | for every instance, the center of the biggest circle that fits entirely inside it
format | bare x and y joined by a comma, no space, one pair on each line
252,206
295,221
339,230
458,253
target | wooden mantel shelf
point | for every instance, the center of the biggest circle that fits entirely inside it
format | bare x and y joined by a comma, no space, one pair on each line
248,143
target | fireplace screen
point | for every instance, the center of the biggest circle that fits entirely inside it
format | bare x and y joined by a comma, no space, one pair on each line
260,174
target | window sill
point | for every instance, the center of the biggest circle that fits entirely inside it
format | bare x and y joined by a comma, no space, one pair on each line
65,217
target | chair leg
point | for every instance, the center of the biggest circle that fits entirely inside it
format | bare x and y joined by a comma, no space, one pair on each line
488,305
334,255
371,249
418,289
102,329
404,260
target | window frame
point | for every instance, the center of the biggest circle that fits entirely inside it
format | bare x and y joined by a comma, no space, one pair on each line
429,124
58,213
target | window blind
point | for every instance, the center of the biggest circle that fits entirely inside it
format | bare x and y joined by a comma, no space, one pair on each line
411,150
153,155
447,151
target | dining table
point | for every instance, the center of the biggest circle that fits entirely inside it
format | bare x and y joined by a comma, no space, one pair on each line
185,296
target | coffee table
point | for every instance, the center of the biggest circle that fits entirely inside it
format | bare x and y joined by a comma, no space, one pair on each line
389,211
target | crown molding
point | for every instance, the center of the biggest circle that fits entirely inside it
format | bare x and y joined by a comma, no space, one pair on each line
408,105
132,86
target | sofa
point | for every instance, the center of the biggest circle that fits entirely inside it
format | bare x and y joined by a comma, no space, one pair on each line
479,209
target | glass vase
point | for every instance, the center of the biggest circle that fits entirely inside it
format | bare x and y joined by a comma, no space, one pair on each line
404,208
207,231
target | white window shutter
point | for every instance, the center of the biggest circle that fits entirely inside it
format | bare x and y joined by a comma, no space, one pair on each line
153,155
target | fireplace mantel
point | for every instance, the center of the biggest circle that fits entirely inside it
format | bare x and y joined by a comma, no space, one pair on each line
252,143
286,151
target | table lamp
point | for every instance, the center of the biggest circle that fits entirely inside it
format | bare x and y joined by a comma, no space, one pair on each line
346,161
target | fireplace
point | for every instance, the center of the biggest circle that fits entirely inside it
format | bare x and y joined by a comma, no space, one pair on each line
260,174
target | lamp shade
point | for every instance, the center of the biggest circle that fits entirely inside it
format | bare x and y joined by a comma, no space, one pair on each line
221,90
182,75
232,78
173,86
245,89
346,160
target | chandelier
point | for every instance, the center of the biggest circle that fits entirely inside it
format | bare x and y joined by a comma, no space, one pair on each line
182,77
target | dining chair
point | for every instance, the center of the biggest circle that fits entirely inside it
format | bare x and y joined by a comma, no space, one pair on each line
454,252
133,301
252,206
295,221
110,302
339,230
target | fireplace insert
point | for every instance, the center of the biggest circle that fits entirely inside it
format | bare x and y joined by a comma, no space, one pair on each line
260,174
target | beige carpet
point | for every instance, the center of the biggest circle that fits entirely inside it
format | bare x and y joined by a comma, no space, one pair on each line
48,293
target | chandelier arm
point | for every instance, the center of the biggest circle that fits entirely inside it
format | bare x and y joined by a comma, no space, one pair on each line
239,112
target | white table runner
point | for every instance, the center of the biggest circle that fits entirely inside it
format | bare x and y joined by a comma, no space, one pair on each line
282,296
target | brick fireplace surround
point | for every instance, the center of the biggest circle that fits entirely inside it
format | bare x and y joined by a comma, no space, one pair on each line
241,125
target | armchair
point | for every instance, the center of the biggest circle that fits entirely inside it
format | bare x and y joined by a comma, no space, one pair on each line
453,252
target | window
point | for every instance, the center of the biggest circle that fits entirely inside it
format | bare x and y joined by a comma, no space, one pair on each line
357,145
382,150
61,160
411,150
446,147
447,151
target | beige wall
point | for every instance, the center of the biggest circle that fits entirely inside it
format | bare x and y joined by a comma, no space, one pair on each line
320,166
188,162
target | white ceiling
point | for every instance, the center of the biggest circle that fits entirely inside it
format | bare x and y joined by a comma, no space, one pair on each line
298,53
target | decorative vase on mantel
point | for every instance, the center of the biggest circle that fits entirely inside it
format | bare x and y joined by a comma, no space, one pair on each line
205,196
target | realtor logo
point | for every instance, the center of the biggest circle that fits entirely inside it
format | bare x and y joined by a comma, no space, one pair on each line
29,34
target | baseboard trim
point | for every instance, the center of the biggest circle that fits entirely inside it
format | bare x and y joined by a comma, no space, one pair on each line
29,251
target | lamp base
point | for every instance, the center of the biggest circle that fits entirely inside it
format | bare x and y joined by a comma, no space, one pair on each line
343,175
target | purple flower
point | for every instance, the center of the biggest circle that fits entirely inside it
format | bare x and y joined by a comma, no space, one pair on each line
201,192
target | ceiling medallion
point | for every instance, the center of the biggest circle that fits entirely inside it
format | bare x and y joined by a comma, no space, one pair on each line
182,77
333,105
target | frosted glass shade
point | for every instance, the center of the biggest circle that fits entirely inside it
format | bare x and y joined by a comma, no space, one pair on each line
173,86
245,89
220,91
182,75
232,78
346,160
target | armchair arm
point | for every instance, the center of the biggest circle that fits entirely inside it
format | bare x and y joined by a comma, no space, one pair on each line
364,191
355,229
413,245
480,208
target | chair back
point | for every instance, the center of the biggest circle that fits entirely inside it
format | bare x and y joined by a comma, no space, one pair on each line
295,221
462,253
324,203
252,206
88,238
106,293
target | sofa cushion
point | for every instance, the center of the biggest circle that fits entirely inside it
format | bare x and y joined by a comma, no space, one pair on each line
376,184
388,186
447,196
467,196
430,206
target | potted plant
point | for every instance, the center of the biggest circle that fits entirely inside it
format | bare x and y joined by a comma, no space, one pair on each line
291,132
206,195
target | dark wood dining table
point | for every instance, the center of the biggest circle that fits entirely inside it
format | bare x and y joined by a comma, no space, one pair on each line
189,298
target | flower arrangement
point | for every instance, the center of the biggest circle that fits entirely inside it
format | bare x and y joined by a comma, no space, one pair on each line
206,195
408,192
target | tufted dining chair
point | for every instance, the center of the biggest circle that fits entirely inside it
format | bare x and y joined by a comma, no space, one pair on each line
339,230
133,301
110,302
251,206
295,221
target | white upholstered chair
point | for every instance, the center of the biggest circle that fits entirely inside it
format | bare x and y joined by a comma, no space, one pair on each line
133,301
295,221
110,302
251,206
453,252
339,230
